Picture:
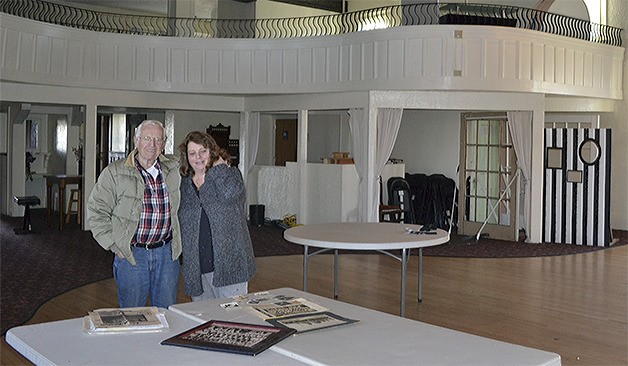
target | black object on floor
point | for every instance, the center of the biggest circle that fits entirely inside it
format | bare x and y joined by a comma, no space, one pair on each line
27,202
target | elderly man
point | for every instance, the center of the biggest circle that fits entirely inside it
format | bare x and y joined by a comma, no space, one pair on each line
132,211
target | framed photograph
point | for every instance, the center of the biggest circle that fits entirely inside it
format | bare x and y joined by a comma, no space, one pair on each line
286,307
554,158
232,337
574,176
303,323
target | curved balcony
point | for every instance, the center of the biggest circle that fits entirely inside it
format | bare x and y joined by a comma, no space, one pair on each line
445,57
384,17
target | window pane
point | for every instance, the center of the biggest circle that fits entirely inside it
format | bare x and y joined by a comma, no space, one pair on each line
492,214
483,132
493,185
494,158
482,158
471,131
480,213
495,132
482,182
118,132
471,158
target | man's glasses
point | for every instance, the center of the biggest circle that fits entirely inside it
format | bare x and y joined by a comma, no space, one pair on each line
157,140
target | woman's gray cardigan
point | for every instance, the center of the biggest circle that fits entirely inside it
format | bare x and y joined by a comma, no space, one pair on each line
223,196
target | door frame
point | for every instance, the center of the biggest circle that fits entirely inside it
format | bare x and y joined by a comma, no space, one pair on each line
479,200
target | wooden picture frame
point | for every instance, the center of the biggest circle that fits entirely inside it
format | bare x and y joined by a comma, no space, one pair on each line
232,337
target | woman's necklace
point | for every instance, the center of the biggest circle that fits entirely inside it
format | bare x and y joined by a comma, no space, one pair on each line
198,180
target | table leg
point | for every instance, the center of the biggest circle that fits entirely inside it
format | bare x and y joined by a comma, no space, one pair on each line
420,274
61,205
49,202
305,255
336,274
404,266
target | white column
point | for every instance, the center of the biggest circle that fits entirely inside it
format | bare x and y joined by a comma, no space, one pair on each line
371,136
302,161
535,226
89,151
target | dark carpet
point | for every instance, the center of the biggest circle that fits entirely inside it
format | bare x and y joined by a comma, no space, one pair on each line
36,268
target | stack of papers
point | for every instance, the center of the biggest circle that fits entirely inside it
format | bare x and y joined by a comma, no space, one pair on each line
125,320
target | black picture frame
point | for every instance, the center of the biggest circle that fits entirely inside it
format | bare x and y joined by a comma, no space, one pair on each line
231,337
589,147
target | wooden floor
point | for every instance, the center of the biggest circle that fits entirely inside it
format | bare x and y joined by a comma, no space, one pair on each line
576,305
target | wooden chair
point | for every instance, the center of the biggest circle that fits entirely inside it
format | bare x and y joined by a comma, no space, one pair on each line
388,213
220,133
75,198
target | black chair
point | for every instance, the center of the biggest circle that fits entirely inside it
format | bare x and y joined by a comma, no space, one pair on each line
399,195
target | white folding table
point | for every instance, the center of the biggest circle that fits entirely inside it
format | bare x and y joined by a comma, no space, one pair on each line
377,339
378,236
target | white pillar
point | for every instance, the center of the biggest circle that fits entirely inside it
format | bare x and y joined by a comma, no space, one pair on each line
371,135
535,226
89,151
302,161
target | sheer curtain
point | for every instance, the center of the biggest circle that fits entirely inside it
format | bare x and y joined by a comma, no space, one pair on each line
520,124
359,128
388,123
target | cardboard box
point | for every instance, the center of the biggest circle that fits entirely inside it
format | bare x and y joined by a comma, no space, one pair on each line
343,161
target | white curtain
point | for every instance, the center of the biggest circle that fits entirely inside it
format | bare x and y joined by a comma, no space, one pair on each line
388,123
253,141
359,127
520,124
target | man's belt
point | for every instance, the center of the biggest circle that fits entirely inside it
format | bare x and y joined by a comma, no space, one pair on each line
154,245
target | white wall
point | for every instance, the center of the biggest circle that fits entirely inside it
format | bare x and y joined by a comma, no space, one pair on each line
327,133
188,121
428,142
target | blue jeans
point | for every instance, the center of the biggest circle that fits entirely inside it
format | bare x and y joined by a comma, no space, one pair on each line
155,274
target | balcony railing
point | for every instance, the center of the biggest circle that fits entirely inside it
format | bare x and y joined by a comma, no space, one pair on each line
384,17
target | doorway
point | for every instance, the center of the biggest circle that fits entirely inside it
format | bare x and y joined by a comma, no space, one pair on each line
285,141
488,167
114,136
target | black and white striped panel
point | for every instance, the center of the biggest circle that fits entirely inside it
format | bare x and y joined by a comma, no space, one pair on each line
577,212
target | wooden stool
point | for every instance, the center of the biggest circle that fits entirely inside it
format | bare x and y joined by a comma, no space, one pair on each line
75,197
27,202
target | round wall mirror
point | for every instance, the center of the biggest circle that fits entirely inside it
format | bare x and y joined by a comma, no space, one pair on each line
589,151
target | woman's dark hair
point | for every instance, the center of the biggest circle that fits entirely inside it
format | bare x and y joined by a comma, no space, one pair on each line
205,140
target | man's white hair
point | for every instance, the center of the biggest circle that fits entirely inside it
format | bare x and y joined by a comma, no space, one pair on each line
153,122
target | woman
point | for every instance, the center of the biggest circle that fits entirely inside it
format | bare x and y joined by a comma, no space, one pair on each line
218,256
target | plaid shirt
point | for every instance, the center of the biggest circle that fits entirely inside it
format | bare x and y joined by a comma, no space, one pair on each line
154,223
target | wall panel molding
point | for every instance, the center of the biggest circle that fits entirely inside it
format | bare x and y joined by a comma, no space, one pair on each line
406,58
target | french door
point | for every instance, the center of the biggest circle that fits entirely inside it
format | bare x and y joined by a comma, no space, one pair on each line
488,181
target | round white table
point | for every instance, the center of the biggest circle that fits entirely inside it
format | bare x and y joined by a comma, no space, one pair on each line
378,236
